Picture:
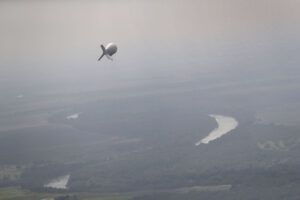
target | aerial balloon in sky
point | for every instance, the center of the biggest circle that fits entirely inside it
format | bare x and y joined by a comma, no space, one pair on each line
109,50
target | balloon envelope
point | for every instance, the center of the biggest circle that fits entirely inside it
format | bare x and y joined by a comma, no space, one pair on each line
111,49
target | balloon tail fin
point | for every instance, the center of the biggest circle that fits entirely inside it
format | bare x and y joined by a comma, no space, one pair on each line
109,57
101,57
104,52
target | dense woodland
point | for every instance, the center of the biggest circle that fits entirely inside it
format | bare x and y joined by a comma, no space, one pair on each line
254,157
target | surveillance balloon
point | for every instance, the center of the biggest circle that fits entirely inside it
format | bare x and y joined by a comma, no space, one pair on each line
109,50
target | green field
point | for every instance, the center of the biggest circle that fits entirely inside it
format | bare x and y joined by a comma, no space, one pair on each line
16,193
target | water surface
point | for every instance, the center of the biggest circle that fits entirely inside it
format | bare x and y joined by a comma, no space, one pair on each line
73,116
59,183
225,125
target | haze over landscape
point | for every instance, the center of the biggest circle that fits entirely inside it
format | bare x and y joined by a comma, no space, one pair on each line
201,100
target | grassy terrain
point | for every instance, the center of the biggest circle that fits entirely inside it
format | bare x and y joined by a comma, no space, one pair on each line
16,193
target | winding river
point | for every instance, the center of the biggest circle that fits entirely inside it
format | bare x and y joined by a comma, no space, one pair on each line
225,125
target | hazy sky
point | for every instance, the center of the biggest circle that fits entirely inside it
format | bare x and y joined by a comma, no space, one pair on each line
49,50
44,39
